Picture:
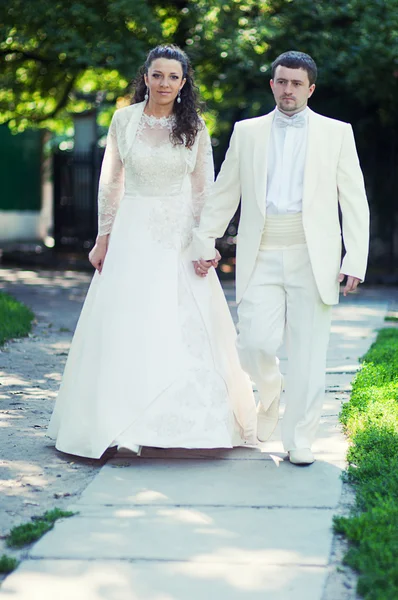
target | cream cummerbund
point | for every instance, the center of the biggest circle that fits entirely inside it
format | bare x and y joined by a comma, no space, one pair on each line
283,231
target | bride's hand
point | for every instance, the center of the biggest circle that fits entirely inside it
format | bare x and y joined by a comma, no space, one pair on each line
202,266
98,253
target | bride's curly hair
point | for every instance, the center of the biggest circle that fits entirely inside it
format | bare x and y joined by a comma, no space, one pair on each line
187,121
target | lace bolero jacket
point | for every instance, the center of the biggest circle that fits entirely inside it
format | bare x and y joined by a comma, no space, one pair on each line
195,165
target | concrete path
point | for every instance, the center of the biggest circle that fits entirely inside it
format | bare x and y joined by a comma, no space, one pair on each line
215,525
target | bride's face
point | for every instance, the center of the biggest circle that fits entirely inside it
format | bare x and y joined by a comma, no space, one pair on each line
164,80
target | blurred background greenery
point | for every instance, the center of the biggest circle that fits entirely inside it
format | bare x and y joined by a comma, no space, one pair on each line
59,58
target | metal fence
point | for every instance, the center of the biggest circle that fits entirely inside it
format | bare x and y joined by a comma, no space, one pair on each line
76,178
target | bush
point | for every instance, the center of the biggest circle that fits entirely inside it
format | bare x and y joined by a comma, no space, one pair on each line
370,419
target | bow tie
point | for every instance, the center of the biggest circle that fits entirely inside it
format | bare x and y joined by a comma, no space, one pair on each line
295,121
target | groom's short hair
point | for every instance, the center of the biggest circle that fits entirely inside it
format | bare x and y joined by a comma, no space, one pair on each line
296,60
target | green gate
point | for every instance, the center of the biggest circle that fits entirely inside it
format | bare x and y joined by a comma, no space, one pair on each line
20,160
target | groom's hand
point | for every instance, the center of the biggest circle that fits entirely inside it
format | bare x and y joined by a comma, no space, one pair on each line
202,266
351,283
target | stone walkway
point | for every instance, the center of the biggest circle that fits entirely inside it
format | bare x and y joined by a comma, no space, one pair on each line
215,525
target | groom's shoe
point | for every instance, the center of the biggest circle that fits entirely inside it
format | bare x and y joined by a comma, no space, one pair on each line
301,457
267,420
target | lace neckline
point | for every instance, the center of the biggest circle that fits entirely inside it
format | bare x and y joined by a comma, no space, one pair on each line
152,121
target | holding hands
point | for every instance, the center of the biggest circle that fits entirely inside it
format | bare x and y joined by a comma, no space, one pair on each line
202,266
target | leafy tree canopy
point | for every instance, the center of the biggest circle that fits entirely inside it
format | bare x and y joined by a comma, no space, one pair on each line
57,55
58,58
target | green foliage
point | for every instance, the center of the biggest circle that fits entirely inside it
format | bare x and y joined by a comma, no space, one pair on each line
58,59
230,44
27,533
56,56
373,553
7,564
15,318
370,419
51,51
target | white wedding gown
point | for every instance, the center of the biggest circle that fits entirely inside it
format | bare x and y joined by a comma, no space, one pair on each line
153,359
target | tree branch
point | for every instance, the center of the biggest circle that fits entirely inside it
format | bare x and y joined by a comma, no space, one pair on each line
61,103
27,55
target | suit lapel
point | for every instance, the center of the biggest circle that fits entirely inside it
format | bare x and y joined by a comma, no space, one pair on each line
315,142
260,160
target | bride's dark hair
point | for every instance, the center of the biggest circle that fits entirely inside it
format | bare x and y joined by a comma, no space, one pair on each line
187,122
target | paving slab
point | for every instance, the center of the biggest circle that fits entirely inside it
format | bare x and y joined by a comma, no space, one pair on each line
330,444
338,383
233,535
337,367
213,483
122,580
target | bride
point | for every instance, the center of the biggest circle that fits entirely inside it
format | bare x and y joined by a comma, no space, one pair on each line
153,359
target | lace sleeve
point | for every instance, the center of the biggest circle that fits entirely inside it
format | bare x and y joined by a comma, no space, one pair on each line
111,183
202,177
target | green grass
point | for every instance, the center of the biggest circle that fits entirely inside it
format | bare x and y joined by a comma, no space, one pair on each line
391,318
7,564
15,318
27,533
370,420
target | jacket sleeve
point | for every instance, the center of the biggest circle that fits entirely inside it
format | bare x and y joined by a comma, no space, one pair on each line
111,183
354,208
220,205
202,177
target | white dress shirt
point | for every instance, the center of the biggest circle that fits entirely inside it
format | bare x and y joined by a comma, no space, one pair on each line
286,162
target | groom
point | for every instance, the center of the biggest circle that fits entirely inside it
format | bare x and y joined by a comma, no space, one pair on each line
293,169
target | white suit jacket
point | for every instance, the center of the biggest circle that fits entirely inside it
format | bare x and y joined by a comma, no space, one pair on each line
332,179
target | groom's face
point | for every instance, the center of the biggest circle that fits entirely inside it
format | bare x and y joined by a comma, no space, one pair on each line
291,89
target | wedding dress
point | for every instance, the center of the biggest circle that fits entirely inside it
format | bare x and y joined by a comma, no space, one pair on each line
153,359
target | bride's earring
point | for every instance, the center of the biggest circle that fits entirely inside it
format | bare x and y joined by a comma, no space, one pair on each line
146,94
179,97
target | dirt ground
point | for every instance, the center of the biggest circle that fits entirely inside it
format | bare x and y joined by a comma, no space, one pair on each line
34,477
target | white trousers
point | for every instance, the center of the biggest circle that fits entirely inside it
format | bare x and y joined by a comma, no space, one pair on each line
281,300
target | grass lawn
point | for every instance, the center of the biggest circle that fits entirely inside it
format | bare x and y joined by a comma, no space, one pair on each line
15,318
29,532
370,420
7,564
33,530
